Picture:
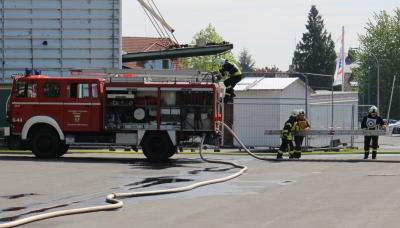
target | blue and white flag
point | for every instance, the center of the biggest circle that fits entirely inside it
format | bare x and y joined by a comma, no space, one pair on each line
339,72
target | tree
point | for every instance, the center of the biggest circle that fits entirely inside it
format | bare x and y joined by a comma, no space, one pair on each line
208,63
272,69
315,53
246,61
381,43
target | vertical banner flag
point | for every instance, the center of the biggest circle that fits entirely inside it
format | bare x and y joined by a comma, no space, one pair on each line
339,72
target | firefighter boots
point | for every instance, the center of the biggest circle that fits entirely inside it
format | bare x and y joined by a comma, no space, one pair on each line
373,154
366,154
279,155
297,154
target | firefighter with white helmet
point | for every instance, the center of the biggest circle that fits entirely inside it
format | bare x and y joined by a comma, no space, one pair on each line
287,136
301,125
372,121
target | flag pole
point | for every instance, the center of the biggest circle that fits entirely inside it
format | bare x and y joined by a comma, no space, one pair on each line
343,62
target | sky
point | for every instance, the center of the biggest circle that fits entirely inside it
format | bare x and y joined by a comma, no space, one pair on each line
268,29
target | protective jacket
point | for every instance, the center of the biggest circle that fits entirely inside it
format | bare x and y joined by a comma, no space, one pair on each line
230,69
287,131
301,125
372,122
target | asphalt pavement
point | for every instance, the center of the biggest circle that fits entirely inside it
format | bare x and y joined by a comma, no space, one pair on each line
341,191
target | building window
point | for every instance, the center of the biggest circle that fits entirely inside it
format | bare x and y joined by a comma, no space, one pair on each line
51,90
26,89
95,93
165,64
78,90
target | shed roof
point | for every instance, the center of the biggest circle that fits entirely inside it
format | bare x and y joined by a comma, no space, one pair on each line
262,83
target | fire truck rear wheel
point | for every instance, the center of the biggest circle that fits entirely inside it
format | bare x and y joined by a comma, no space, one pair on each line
46,144
157,146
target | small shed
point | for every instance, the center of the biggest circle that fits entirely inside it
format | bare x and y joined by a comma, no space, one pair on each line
265,104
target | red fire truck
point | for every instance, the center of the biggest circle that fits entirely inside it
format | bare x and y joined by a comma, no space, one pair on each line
157,113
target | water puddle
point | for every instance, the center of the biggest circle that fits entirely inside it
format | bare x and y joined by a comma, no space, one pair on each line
167,165
286,182
19,195
13,218
151,181
210,169
12,209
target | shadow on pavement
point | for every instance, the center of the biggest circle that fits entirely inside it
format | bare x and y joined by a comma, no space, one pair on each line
134,162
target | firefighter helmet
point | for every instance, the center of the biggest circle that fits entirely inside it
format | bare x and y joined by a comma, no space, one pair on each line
373,109
295,113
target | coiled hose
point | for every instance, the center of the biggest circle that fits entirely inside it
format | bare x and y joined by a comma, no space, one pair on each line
114,199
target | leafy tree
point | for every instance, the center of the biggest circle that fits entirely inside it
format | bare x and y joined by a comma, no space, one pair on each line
381,43
208,63
246,61
315,53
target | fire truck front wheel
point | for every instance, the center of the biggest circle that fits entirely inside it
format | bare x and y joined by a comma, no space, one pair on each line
46,144
157,146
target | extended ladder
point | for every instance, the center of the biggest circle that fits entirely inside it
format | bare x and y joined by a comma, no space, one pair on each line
330,132
129,75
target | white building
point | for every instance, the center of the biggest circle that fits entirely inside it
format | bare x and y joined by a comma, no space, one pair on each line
266,103
59,35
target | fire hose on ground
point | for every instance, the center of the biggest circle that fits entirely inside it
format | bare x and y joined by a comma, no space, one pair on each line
114,199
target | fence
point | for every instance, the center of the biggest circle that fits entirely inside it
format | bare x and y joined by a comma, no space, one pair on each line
250,120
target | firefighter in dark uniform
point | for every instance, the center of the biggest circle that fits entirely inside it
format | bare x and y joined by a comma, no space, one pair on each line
231,75
300,126
372,122
287,136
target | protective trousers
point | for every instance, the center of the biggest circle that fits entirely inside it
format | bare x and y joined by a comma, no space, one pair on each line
298,140
367,142
286,145
230,83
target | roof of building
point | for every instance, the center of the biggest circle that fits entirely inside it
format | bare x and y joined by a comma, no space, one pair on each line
145,44
262,83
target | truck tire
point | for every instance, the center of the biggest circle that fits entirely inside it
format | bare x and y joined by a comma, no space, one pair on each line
64,149
157,146
46,144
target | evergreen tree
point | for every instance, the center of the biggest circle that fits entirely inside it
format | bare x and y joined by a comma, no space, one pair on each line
246,61
208,63
315,53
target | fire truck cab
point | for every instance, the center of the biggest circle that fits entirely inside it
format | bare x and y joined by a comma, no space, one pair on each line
49,114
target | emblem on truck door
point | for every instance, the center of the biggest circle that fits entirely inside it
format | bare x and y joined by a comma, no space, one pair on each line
77,117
